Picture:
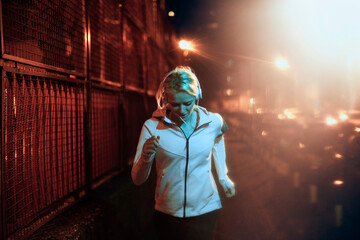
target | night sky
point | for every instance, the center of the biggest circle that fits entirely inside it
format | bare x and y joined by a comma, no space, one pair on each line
319,40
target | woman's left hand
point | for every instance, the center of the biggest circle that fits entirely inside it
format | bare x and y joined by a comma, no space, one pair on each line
228,186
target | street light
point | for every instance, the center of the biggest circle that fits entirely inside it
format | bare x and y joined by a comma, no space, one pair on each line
171,13
281,63
185,45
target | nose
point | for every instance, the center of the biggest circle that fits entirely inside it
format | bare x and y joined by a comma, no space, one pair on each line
181,109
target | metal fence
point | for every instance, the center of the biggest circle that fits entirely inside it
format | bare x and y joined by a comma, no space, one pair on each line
105,131
78,81
45,33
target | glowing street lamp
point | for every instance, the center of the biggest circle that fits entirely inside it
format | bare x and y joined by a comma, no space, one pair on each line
171,13
331,121
185,45
338,182
281,63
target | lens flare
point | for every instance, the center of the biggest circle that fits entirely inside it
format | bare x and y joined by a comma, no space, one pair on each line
185,45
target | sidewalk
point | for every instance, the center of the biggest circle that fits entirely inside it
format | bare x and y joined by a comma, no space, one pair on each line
117,210
121,210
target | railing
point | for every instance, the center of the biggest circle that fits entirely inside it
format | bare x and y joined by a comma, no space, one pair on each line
78,80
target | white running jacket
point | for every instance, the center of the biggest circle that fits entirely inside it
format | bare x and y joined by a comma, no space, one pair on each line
185,186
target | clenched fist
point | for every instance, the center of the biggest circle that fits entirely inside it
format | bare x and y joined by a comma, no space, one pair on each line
228,187
150,146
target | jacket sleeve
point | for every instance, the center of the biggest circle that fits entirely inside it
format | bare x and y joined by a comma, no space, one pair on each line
142,163
219,157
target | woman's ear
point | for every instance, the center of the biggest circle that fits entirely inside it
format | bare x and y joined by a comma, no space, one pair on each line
164,100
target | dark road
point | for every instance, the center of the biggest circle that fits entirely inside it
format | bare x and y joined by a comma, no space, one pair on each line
274,202
247,215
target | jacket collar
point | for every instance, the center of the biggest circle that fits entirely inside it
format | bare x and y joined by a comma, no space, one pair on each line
204,115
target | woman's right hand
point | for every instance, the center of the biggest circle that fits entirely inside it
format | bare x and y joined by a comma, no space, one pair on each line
150,146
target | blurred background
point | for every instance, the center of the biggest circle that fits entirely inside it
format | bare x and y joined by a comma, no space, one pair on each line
79,79
285,75
282,53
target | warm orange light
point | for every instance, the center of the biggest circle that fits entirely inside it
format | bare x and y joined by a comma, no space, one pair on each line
171,14
338,182
264,133
328,147
337,155
301,145
281,116
259,110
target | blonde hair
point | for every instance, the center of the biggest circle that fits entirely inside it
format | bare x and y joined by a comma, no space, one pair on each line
181,79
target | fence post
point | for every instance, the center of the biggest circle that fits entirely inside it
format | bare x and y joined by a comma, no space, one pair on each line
2,216
2,167
87,113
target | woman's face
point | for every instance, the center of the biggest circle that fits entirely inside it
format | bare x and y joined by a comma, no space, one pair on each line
181,103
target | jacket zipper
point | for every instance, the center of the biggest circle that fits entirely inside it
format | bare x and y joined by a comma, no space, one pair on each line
186,166
187,163
186,170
